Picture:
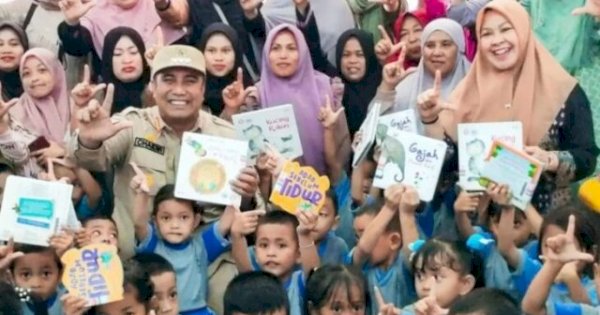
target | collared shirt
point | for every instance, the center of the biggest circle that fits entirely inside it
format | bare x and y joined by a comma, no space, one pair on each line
154,147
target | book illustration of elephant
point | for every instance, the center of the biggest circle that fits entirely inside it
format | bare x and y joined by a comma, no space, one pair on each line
392,150
475,151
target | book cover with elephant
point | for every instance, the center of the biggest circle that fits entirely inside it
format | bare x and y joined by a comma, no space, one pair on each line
207,165
410,159
275,126
474,143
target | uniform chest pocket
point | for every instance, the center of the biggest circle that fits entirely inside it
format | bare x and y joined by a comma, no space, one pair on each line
153,163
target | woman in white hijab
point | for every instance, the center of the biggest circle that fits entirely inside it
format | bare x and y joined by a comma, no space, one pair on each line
443,47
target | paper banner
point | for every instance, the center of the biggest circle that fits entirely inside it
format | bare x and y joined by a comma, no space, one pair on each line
95,273
299,188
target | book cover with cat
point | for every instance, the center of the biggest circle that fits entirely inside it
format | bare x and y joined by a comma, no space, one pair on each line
33,210
410,159
474,143
275,126
207,165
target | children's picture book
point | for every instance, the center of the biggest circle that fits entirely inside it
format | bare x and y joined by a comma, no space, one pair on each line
508,165
94,273
474,143
33,210
275,126
389,125
367,131
207,165
411,159
299,188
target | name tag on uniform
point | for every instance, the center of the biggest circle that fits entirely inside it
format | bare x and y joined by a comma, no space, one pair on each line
146,144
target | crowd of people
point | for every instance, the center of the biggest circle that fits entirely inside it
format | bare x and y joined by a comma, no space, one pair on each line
98,94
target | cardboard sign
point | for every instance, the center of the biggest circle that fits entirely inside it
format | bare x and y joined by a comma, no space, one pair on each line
33,210
474,143
206,167
507,165
299,188
94,272
275,126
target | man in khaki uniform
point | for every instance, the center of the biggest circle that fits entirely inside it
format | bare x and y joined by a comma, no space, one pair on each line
151,137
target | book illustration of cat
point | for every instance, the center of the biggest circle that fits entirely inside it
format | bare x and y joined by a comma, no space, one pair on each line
476,152
392,150
257,140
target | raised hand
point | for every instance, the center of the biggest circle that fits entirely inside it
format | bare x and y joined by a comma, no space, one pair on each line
74,10
154,48
307,221
550,159
467,201
385,47
250,7
139,183
270,161
327,116
592,7
245,223
50,176
74,305
394,72
246,184
63,241
393,196
562,248
95,125
410,200
8,254
385,308
52,152
430,103
84,91
500,194
388,5
233,94
429,305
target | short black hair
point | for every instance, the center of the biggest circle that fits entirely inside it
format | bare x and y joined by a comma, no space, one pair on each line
167,192
154,264
279,217
255,293
373,209
10,304
323,283
33,249
98,216
486,301
135,276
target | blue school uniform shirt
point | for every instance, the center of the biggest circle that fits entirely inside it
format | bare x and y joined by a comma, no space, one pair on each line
345,230
295,292
53,304
553,308
559,293
190,261
332,249
395,283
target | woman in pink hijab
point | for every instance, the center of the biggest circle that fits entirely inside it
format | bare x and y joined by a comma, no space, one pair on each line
37,123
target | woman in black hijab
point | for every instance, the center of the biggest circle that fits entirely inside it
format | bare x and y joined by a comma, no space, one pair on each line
124,65
13,44
360,72
222,50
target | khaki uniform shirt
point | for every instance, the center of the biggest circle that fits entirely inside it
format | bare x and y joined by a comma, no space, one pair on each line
155,147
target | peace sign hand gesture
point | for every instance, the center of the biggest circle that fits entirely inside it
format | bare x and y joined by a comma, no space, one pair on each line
562,247
385,308
139,183
385,47
74,10
592,7
394,72
95,125
430,103
327,116
83,92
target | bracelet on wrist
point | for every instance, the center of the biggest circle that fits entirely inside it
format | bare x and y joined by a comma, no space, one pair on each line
309,245
433,121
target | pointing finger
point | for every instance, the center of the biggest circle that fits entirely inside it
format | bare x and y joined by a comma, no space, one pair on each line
240,77
137,169
160,37
379,297
437,83
384,33
108,98
86,74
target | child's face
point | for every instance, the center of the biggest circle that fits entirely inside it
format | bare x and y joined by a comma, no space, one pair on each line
449,284
277,249
382,253
327,219
38,272
176,221
165,294
347,301
521,229
129,305
102,231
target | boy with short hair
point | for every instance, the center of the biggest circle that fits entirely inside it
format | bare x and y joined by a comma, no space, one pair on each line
382,236
255,293
163,279
282,241
98,229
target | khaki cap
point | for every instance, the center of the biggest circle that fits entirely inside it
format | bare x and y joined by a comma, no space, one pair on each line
178,56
